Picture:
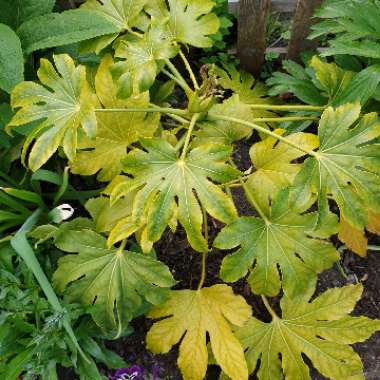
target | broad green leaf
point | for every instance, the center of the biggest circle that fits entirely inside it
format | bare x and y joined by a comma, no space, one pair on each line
274,163
354,26
105,215
62,104
58,29
142,55
191,315
11,59
191,22
323,83
164,180
114,280
321,330
15,12
123,14
116,130
298,81
281,244
346,166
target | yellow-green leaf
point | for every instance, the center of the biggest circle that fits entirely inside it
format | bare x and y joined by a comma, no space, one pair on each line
61,105
123,14
347,166
192,22
321,330
274,163
190,315
115,281
163,179
116,130
278,245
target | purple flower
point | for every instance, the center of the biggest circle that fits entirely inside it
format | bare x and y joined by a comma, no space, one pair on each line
132,373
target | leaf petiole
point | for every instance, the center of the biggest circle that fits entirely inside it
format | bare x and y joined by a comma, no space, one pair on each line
204,254
269,308
189,69
265,131
188,135
286,107
178,75
174,111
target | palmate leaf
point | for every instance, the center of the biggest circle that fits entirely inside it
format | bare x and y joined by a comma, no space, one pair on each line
123,14
61,106
192,314
321,330
116,130
346,166
274,164
142,57
161,177
322,83
115,281
355,26
281,240
191,22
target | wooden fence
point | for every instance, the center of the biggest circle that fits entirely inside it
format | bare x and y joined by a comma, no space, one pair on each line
252,17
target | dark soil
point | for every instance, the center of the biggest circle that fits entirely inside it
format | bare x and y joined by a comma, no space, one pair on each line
185,266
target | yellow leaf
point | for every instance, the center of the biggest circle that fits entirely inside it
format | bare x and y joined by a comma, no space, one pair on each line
373,222
192,314
353,238
116,130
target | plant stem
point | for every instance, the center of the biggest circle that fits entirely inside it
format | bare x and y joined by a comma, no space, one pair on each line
237,181
177,74
188,135
286,107
174,111
282,119
254,203
173,116
269,308
180,83
204,254
190,71
265,131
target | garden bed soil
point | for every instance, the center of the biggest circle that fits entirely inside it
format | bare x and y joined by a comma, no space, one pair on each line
184,263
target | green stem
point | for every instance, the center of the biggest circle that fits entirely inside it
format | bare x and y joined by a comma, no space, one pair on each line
180,83
189,69
283,119
237,181
173,116
174,111
269,308
177,74
267,132
204,254
188,135
254,203
286,107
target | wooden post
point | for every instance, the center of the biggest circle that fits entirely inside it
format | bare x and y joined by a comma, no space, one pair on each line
301,28
251,34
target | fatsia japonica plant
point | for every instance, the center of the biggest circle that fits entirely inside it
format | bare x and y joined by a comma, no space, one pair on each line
164,166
